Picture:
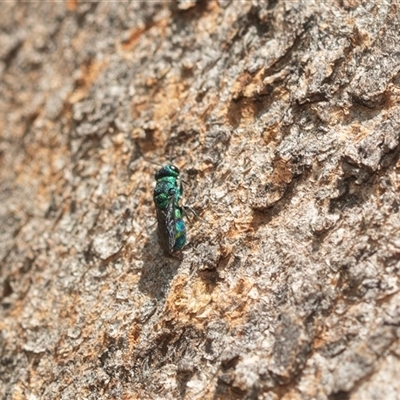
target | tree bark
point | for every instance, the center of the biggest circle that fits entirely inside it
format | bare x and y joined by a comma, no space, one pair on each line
284,119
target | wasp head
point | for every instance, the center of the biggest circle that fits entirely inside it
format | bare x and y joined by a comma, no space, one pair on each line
167,171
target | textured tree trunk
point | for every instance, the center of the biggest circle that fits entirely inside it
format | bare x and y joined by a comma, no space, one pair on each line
284,119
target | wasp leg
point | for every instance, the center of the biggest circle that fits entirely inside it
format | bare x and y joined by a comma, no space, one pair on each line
185,208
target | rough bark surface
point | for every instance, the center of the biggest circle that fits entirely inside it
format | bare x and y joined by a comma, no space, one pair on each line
284,118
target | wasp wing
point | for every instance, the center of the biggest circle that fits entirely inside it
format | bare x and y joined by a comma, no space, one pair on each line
166,225
170,222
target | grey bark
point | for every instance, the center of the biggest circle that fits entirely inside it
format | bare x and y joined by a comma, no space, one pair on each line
284,118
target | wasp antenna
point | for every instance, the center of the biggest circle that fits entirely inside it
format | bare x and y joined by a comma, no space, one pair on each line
170,157
185,208
152,161
148,159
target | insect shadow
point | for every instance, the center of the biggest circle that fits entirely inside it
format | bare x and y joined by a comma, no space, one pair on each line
157,274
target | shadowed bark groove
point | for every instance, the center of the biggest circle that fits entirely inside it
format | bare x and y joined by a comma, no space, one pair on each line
284,118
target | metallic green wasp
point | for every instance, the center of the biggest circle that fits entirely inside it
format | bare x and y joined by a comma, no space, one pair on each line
167,194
